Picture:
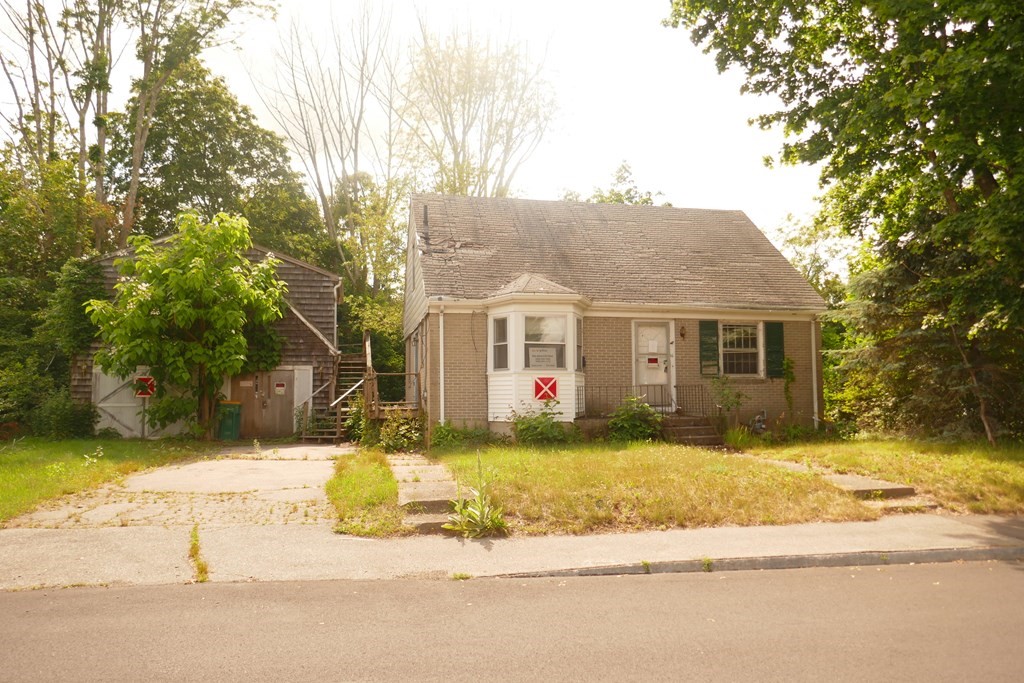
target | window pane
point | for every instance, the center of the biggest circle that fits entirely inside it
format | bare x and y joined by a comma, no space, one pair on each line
739,337
547,329
501,356
500,330
740,363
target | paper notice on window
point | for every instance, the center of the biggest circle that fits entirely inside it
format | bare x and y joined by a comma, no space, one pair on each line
543,357
652,346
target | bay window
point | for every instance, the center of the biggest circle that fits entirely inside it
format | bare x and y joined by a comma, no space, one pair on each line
544,345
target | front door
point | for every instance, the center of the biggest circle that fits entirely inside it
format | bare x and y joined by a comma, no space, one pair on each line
652,360
268,403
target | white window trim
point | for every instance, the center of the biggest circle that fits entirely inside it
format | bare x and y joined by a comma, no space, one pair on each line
760,374
491,343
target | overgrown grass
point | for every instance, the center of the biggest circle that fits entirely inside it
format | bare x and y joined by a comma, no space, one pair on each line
592,488
964,477
202,569
365,495
35,470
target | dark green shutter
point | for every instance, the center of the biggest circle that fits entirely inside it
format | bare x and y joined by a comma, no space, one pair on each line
774,349
709,347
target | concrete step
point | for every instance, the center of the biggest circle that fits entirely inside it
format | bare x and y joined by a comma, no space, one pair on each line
425,523
427,496
684,421
868,488
418,473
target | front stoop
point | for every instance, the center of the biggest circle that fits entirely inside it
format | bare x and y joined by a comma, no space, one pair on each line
689,430
425,491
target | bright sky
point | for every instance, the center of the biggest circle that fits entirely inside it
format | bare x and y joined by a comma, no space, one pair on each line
627,88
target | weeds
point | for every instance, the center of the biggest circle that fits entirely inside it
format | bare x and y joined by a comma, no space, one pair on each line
477,516
365,495
202,569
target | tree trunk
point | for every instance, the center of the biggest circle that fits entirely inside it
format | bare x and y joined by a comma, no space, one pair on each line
976,389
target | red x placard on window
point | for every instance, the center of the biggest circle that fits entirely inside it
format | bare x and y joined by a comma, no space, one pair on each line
545,388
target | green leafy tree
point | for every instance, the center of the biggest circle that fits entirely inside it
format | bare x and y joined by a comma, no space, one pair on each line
913,111
171,33
623,190
181,309
204,152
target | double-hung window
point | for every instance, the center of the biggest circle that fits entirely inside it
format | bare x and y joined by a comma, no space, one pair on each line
500,344
579,344
740,349
544,346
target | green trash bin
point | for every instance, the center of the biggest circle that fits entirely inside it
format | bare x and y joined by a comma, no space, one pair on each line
229,420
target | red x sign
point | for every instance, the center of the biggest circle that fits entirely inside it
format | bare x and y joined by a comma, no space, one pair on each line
545,388
145,387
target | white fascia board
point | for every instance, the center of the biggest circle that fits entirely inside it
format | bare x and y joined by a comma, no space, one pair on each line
670,311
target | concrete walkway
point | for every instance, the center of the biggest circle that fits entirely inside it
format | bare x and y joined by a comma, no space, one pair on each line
425,490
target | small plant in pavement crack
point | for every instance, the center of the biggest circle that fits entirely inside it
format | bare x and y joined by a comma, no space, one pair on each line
201,567
478,515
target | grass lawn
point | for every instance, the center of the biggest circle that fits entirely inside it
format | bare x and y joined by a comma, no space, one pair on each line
365,495
968,477
35,470
600,488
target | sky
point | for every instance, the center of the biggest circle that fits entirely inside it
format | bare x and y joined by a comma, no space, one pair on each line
626,87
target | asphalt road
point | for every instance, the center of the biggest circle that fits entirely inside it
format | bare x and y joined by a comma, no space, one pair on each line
957,622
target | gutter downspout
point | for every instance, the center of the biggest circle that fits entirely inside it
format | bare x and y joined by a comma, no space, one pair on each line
441,360
814,368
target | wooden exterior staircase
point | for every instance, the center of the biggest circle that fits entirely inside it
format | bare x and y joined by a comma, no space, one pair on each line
328,424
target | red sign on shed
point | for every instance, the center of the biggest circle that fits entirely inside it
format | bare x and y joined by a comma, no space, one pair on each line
545,388
145,387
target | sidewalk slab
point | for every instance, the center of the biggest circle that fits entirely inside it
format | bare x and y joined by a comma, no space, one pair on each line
281,553
32,558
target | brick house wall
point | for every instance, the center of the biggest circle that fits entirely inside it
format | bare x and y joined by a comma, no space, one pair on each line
465,359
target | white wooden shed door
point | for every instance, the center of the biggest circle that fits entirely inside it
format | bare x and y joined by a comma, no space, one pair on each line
653,363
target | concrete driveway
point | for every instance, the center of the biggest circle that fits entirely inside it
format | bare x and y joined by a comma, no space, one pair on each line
138,531
281,485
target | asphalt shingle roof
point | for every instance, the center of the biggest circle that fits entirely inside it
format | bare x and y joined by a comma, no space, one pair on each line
474,248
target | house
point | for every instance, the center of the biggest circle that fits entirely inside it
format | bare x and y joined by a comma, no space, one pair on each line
305,380
511,302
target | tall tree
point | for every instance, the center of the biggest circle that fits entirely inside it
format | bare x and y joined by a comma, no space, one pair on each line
181,308
171,33
913,110
474,112
204,151
336,103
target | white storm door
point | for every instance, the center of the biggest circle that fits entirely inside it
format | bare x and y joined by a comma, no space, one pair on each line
652,361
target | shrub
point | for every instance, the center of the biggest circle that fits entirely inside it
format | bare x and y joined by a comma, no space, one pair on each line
634,420
447,435
59,417
356,420
740,438
401,431
540,427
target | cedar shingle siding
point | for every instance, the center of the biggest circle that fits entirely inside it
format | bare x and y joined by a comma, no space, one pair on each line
310,291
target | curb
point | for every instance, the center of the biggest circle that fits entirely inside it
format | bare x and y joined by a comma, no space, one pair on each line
731,564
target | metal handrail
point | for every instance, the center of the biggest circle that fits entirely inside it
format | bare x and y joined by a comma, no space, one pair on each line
343,396
315,393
